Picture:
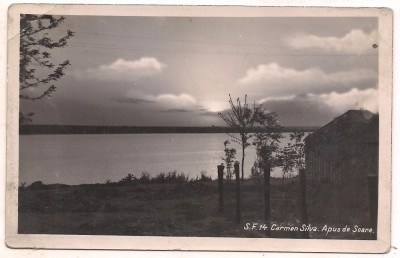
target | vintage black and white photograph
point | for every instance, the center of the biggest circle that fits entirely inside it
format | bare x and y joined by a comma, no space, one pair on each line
255,127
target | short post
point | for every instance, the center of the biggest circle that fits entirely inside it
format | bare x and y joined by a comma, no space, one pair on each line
373,201
303,203
267,186
238,211
221,187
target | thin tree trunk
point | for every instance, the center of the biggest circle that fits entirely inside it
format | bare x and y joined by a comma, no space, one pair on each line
243,147
221,187
267,190
238,201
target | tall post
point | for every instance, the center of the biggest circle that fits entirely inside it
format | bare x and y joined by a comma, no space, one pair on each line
303,196
373,201
238,211
267,187
221,187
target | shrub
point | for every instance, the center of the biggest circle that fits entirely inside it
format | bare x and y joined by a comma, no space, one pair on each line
204,177
144,177
182,178
160,178
256,173
129,179
22,186
229,158
36,185
171,176
175,177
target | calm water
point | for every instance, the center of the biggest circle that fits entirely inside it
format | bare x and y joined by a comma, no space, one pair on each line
76,159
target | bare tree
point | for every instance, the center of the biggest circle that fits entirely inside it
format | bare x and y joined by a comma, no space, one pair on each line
242,119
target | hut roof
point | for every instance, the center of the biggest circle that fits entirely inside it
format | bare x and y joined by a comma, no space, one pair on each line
352,126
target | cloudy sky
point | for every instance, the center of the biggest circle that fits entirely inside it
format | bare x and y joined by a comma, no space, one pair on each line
179,71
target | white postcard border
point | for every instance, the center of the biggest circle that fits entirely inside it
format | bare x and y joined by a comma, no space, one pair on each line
382,244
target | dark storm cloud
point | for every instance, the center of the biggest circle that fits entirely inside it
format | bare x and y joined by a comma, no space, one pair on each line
315,110
318,109
301,111
209,113
201,108
132,100
176,110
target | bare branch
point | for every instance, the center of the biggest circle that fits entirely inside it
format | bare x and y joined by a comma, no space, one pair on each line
32,42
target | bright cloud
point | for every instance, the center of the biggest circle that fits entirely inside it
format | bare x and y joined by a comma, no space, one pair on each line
276,80
274,73
291,97
175,101
353,99
215,106
163,101
355,42
337,102
122,69
142,66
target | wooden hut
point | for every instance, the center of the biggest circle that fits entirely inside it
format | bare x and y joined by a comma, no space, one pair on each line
344,150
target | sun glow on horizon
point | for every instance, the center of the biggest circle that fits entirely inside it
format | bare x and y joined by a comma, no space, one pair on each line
215,106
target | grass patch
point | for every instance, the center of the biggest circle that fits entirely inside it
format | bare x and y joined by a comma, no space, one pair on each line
177,206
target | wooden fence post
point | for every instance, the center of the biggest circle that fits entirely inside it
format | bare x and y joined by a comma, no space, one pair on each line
373,201
303,203
238,210
221,187
267,187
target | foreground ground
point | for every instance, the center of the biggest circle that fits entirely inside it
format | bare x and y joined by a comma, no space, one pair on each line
183,209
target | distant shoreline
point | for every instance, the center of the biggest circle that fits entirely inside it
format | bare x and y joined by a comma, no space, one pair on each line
83,129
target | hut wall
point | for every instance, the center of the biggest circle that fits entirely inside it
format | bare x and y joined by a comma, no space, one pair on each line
338,163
